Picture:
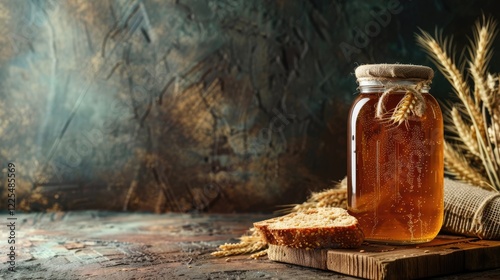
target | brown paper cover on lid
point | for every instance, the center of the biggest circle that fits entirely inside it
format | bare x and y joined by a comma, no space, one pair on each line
394,71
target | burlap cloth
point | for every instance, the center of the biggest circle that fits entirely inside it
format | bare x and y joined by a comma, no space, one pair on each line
471,211
393,71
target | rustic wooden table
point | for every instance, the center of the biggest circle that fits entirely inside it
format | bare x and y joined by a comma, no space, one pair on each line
105,245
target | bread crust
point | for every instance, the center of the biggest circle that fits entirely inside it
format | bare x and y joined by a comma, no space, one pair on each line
328,236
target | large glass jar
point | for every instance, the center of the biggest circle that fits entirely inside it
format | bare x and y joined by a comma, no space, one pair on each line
395,155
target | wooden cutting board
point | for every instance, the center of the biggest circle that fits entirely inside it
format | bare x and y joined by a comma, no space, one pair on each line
444,255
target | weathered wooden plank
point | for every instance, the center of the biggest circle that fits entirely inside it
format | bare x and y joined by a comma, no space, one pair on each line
309,258
443,256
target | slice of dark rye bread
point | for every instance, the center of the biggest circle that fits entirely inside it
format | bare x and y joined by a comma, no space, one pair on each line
326,227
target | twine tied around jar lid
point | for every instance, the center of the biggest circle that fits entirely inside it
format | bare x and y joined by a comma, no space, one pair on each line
412,103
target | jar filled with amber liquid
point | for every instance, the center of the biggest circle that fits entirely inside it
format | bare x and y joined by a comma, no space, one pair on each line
395,155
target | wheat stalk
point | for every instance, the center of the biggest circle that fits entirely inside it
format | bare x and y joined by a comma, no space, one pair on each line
404,108
252,242
466,134
333,197
457,166
480,52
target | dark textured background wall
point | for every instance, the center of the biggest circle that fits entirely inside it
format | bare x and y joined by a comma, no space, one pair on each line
194,105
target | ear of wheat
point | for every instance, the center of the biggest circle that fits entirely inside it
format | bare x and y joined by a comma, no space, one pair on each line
474,122
250,243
